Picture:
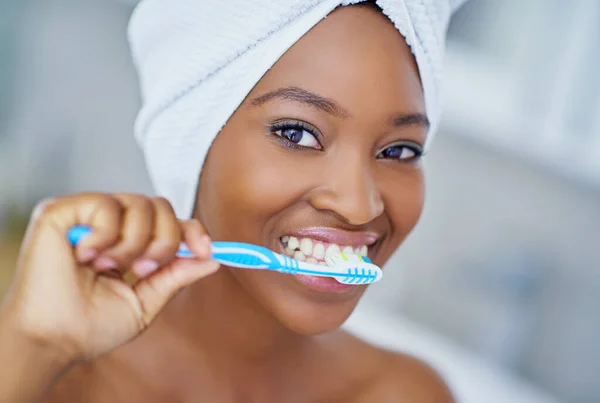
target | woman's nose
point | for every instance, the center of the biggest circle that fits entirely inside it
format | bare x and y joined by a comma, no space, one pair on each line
350,191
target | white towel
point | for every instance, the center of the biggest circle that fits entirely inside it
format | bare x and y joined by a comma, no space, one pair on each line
198,59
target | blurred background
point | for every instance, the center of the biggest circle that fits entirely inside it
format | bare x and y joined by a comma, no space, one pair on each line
499,286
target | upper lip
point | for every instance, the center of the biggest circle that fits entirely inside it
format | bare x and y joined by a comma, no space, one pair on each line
337,236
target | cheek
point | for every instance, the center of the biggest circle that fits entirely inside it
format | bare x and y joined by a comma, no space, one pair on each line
247,180
404,200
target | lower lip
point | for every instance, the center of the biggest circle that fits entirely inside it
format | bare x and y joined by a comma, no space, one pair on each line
325,284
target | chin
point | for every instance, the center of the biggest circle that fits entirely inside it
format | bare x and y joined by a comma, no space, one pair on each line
298,304
312,322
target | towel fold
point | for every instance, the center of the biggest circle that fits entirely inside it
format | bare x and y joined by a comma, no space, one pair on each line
198,59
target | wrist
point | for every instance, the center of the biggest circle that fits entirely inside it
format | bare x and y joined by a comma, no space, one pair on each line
17,336
31,365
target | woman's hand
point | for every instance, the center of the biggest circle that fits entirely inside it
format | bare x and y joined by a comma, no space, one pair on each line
75,300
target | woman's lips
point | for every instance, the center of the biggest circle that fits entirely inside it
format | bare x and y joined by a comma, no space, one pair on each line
326,284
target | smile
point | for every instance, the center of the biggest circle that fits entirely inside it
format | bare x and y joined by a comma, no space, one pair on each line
315,251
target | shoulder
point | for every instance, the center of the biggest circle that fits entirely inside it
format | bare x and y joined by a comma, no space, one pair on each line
414,379
401,377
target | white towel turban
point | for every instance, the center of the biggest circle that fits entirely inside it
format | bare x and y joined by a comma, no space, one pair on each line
198,59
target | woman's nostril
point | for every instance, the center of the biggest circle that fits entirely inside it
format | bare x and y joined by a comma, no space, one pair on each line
355,208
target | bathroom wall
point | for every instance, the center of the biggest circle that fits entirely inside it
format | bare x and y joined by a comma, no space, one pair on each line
505,261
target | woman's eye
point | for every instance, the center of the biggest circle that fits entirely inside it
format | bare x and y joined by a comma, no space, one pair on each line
401,152
299,136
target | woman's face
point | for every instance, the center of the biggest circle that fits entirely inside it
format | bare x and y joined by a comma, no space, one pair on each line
322,155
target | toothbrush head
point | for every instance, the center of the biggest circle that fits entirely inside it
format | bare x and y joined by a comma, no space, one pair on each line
359,269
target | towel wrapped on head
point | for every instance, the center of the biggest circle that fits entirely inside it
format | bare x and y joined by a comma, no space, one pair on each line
198,59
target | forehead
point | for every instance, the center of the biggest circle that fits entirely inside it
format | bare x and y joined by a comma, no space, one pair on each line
356,57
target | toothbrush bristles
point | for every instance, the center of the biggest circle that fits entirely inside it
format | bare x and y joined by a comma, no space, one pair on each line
342,258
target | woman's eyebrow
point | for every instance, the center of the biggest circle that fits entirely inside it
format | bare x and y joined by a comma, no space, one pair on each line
410,119
306,97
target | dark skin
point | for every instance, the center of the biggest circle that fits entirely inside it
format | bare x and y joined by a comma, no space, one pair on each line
257,336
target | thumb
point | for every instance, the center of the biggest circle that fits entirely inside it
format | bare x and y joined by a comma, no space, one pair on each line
155,291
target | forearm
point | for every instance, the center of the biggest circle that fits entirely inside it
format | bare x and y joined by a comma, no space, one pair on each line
28,367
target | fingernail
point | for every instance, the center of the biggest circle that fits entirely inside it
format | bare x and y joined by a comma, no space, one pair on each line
144,267
206,245
106,263
87,255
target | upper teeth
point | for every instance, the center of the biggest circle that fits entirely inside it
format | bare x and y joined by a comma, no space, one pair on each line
293,243
306,246
307,249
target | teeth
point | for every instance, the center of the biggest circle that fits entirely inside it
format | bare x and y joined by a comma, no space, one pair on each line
306,246
299,256
311,260
305,249
318,251
332,250
348,250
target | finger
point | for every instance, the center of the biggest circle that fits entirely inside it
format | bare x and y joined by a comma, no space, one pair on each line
135,234
197,240
165,241
105,221
100,212
156,290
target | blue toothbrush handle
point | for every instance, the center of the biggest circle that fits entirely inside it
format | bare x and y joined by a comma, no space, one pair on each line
77,233
236,254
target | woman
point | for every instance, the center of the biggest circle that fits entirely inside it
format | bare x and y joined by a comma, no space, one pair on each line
325,122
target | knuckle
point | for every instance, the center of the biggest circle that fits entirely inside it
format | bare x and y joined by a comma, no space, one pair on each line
131,196
169,224
106,198
163,205
45,207
162,201
107,203
126,195
141,202
105,215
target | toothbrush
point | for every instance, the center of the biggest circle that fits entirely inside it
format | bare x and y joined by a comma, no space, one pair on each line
345,268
